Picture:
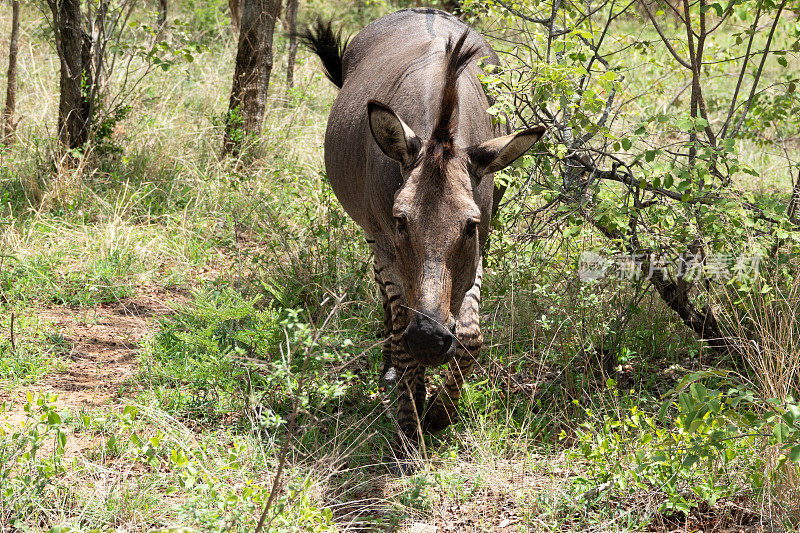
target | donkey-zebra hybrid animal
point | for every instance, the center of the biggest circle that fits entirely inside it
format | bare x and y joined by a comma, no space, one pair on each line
410,151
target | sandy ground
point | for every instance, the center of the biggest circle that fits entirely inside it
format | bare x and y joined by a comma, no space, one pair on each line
102,362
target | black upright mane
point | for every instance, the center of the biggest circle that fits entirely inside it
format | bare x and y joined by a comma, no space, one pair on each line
441,142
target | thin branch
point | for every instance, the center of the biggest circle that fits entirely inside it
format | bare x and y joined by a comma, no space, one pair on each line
525,17
742,72
664,38
760,70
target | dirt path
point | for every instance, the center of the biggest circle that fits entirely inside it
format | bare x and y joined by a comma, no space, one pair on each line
102,361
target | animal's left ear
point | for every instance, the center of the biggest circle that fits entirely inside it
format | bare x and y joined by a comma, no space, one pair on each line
500,152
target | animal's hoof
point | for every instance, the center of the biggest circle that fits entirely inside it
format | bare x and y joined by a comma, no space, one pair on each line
402,467
405,458
437,417
388,376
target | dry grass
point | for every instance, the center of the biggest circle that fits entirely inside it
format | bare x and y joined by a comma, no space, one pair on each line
765,322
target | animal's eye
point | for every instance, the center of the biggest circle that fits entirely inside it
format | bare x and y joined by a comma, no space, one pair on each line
401,223
471,227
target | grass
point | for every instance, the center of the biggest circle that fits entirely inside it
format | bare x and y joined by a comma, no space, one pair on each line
267,279
37,349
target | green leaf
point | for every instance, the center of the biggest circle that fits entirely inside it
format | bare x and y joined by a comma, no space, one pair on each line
794,454
662,412
684,124
690,416
626,143
690,460
650,155
698,391
53,419
782,61
780,432
748,170
572,231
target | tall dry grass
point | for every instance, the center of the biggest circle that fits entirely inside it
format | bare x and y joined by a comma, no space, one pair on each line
763,325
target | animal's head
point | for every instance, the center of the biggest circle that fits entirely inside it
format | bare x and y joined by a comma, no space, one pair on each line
437,220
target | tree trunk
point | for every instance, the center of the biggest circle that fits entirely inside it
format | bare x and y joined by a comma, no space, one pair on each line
291,29
251,75
162,14
9,121
74,48
236,14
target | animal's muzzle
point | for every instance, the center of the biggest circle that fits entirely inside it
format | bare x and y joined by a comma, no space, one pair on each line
428,342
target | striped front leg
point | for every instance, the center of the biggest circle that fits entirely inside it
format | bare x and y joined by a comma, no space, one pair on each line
387,372
410,404
409,374
443,406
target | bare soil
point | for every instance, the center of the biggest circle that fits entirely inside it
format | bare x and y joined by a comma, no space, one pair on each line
102,362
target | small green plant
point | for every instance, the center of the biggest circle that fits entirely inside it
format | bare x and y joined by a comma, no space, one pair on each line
296,510
234,120
415,495
457,486
233,354
31,458
711,449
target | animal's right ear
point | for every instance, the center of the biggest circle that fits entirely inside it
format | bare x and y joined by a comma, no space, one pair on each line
394,137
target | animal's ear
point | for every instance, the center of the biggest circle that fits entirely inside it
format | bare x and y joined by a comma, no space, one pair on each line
394,137
500,152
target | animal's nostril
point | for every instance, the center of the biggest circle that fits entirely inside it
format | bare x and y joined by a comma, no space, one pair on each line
422,339
447,344
428,341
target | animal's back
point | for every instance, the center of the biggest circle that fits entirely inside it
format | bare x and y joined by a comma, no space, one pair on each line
398,60
404,30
